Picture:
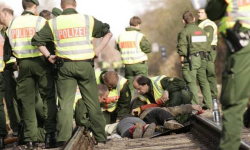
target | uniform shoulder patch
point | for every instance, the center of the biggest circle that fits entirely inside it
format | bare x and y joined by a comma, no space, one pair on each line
197,33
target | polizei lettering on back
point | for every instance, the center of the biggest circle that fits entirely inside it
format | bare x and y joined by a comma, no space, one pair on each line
23,32
72,32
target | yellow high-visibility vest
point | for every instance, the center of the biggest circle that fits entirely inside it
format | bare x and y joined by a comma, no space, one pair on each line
208,22
157,88
129,44
21,31
236,10
12,60
111,103
2,64
73,36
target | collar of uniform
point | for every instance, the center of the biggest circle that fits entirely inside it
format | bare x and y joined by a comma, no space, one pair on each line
150,89
199,21
69,11
190,24
132,29
27,12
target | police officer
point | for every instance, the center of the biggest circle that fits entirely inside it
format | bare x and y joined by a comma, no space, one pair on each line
13,106
162,90
118,102
34,70
211,30
74,48
133,47
192,47
235,79
3,130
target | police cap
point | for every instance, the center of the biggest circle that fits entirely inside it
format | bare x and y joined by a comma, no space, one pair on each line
56,11
33,1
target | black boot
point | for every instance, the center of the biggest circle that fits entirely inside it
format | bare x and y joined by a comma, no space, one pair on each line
246,118
20,134
2,145
50,140
31,145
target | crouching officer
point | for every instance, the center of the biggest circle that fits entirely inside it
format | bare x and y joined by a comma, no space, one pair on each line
192,47
72,34
118,102
34,70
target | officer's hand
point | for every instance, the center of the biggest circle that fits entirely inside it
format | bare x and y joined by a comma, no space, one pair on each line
52,59
196,107
182,65
136,111
165,96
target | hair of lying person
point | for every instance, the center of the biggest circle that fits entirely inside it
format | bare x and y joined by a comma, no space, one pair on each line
134,21
143,80
45,14
102,89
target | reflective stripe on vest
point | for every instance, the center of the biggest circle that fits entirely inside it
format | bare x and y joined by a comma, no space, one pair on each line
73,39
206,23
236,10
129,43
157,88
21,31
12,60
111,103
2,64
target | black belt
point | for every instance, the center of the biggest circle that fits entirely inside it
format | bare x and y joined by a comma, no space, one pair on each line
202,54
87,60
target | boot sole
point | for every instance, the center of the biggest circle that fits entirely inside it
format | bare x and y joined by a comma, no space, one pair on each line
138,131
149,131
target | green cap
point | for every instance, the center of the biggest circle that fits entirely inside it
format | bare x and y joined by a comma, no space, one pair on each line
56,11
34,1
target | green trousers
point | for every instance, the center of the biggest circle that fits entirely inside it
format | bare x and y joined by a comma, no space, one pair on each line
204,85
14,106
211,76
36,72
234,97
134,70
70,75
81,114
3,130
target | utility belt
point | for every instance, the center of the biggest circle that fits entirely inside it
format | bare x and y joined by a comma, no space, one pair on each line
201,54
143,62
236,39
60,61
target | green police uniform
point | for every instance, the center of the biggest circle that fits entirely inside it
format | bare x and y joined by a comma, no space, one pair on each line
122,101
235,80
72,72
192,44
211,29
177,91
133,68
3,130
34,69
13,107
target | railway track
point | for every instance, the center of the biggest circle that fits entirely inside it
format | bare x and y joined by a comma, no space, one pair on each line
203,134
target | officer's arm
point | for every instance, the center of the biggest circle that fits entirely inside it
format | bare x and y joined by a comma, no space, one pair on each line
172,84
145,45
182,45
7,49
40,39
210,33
101,30
123,103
